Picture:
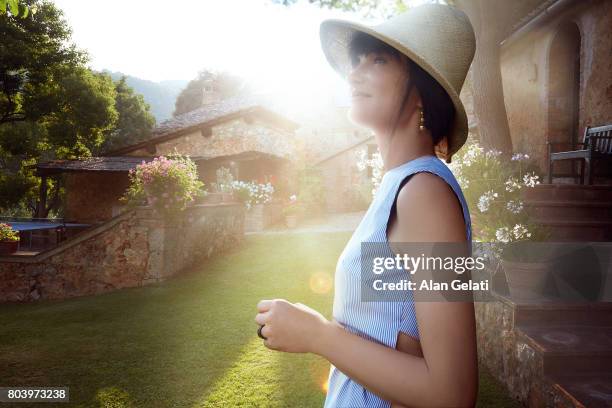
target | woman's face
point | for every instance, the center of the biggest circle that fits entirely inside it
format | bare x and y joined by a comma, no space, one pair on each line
377,85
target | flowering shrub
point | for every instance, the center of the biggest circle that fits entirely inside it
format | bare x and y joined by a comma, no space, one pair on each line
7,233
376,163
492,188
248,192
251,193
166,183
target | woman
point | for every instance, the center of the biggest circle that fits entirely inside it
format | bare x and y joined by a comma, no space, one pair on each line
405,75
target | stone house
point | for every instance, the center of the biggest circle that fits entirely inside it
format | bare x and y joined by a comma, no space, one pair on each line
557,77
93,186
556,69
239,133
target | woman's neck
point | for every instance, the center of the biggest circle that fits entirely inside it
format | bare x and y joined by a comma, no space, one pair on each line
404,146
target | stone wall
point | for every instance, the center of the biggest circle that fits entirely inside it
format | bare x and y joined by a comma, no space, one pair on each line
91,196
537,78
261,216
509,358
497,346
133,249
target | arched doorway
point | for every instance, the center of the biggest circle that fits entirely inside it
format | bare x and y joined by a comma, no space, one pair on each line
564,93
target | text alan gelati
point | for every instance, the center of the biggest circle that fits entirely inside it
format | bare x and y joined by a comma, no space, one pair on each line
456,284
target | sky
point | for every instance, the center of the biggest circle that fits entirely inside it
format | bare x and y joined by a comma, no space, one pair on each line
276,48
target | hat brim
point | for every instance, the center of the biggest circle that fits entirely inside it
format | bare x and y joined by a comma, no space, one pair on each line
335,36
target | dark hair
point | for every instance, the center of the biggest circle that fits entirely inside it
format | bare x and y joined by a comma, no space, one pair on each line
438,108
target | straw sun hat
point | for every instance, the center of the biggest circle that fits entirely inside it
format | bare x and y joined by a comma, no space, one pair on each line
437,37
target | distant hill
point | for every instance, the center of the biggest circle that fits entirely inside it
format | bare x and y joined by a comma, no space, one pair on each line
160,95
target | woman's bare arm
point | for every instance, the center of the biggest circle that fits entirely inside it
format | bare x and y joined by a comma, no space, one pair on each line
447,374
442,380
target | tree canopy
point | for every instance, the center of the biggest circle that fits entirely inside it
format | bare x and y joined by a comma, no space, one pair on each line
53,106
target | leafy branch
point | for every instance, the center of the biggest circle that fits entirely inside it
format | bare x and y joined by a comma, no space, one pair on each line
15,8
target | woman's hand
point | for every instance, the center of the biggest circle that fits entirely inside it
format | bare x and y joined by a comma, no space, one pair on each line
290,327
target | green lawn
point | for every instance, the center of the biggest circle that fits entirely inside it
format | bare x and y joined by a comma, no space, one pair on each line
188,342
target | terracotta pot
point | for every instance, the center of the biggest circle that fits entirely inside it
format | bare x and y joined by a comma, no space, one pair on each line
8,247
527,279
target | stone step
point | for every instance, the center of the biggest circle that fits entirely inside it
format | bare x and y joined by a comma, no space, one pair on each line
571,192
560,210
563,314
591,390
574,349
557,340
577,230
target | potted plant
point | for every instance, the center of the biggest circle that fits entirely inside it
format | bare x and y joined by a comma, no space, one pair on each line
528,267
252,194
9,239
493,187
167,184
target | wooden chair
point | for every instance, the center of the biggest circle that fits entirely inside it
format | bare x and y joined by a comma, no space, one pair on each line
596,145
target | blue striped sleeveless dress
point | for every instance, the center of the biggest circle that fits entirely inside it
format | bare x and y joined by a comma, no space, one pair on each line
377,321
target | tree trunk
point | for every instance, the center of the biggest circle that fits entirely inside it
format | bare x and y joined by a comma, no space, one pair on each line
489,98
488,94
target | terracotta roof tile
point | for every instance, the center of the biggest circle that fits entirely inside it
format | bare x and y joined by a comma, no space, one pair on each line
107,163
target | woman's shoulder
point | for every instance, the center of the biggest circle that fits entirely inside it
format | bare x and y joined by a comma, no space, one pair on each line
429,208
425,189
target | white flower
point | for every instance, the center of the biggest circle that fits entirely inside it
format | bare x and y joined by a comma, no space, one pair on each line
485,200
257,193
503,234
473,152
512,184
531,180
463,182
293,197
362,161
492,153
515,206
520,230
376,163
520,156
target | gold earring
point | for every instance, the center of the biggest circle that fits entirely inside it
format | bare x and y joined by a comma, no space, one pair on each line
422,121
